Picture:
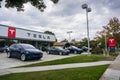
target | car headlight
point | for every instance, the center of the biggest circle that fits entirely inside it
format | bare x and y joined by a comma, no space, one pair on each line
40,51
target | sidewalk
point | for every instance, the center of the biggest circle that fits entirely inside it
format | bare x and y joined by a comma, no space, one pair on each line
113,72
6,63
53,67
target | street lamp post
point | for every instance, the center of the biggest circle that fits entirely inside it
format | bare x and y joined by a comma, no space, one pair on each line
105,38
69,32
85,6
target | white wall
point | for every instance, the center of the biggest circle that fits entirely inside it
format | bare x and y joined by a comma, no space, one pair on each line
26,34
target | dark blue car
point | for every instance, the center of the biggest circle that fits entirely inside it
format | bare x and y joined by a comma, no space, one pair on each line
1,50
75,50
57,50
24,52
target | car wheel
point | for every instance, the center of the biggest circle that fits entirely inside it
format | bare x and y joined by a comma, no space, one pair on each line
4,51
23,57
75,52
48,52
8,55
60,53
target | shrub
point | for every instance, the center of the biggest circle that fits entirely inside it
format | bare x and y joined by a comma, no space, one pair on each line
97,50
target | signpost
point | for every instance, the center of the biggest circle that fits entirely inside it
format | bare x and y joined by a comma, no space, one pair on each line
112,44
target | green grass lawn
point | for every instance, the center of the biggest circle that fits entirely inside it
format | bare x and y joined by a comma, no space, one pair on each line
75,59
85,73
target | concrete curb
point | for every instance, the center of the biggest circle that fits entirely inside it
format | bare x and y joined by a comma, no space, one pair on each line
53,67
113,71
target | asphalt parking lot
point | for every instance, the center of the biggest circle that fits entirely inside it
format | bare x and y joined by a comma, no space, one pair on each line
13,62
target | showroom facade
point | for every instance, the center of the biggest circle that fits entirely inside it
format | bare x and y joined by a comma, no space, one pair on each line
12,34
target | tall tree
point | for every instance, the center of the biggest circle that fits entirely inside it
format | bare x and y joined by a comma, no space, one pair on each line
83,42
113,26
112,30
65,40
19,4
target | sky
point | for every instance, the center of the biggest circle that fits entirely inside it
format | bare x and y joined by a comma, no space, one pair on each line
65,16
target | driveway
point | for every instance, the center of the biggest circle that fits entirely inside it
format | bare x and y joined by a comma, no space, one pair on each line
13,62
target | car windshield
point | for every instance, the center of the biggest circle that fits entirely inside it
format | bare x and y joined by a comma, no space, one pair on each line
74,47
27,46
59,48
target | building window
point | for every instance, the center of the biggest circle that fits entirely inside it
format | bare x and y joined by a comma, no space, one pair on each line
48,37
39,36
44,37
28,34
34,35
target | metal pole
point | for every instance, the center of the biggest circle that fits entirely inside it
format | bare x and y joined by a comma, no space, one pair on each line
85,6
69,35
105,41
88,31
69,38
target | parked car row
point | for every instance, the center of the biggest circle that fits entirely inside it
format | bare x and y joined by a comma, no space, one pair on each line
66,51
27,51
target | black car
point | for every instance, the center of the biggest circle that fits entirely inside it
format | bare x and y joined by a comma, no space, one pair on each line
85,49
4,49
1,50
75,50
57,50
24,52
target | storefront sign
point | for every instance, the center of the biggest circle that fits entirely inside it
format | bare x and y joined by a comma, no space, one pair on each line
11,32
111,42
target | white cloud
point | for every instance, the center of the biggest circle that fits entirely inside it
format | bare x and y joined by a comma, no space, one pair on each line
63,17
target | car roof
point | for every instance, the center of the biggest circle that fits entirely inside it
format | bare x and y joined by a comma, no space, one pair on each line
21,44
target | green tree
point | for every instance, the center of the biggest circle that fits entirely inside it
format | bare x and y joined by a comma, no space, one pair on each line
49,32
81,43
65,40
113,26
19,4
84,42
100,38
112,30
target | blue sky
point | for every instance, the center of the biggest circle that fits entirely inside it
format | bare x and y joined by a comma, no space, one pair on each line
65,16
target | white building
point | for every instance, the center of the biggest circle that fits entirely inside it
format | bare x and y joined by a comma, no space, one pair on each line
35,38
